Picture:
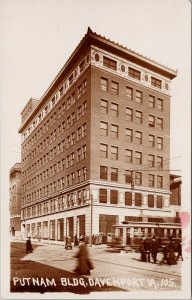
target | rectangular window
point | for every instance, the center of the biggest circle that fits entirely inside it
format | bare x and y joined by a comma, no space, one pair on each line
114,174
103,172
159,162
104,84
138,178
160,104
151,141
129,93
78,154
138,199
114,87
84,130
160,123
151,160
114,197
159,181
156,82
159,143
128,198
84,152
79,91
159,201
84,108
84,85
138,97
134,73
78,176
138,137
79,134
129,114
114,131
128,176
103,129
128,156
84,173
150,200
151,101
151,121
129,135
72,99
79,112
103,151
114,109
151,180
138,158
104,106
109,63
138,117
102,195
114,153
70,79
82,65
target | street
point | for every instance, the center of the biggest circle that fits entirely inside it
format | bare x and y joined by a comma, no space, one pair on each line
50,268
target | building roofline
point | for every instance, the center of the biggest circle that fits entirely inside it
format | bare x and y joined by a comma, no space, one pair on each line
16,166
93,38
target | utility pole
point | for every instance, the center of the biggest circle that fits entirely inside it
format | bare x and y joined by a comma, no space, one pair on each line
91,220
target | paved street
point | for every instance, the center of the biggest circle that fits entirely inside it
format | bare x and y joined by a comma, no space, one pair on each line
54,267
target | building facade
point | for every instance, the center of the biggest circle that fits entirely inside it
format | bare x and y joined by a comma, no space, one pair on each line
15,200
96,146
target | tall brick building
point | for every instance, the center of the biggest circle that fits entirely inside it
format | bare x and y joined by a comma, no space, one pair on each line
15,200
96,146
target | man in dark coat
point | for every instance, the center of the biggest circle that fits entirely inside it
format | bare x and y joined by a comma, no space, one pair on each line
171,260
154,250
147,249
179,251
29,247
84,263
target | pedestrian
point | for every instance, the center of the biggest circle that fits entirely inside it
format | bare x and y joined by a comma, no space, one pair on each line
29,247
179,251
154,249
147,249
68,244
76,242
171,260
84,263
165,251
142,250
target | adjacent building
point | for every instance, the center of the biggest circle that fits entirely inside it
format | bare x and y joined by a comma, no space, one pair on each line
15,200
96,146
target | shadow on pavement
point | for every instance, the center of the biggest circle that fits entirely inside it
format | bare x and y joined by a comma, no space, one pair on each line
49,278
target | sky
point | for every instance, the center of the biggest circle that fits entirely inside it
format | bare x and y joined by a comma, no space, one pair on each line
38,36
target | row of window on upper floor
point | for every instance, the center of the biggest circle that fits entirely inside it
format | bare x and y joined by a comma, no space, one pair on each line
112,152
131,94
133,73
136,180
138,136
153,121
129,200
66,162
56,204
56,186
81,89
75,115
56,150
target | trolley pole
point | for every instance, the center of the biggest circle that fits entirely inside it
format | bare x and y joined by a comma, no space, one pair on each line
91,220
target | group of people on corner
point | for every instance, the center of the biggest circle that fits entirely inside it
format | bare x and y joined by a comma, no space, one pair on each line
150,249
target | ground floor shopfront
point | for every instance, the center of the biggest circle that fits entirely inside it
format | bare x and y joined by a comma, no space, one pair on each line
86,220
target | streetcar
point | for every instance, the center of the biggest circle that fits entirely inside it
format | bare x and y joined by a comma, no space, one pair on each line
129,236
